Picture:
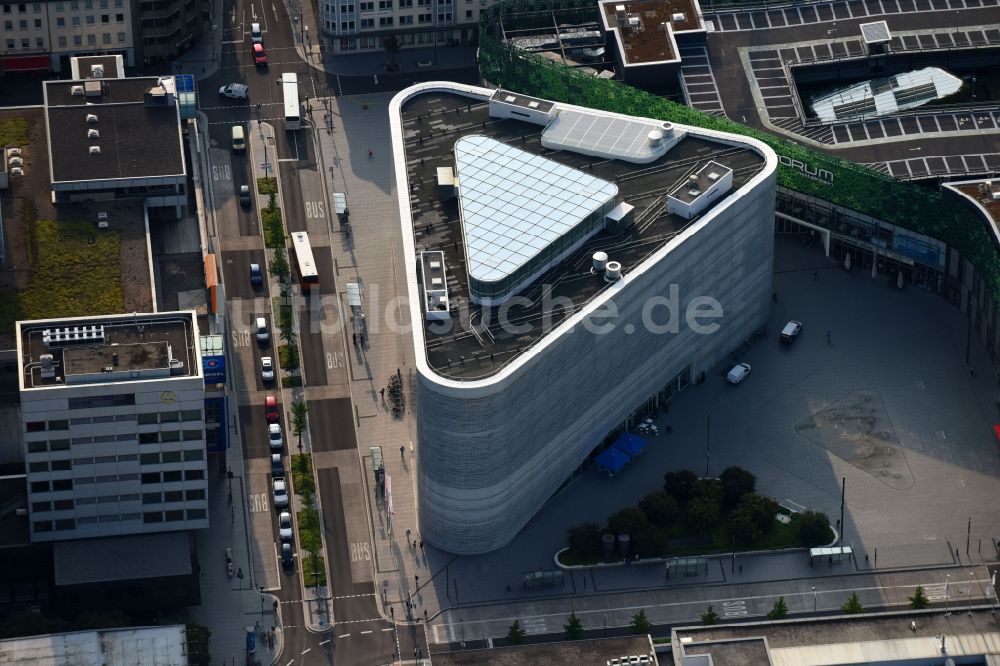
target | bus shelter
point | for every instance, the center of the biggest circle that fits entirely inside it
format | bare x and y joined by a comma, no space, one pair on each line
357,310
687,566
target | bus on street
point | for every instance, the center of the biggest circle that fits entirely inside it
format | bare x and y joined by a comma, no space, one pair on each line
293,111
308,277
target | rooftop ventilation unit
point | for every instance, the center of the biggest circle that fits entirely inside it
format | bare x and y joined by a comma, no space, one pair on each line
176,367
677,17
612,271
93,88
600,261
48,367
97,71
635,23
93,134
73,335
95,150
91,117
655,138
76,91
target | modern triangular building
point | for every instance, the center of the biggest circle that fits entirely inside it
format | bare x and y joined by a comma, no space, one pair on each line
571,269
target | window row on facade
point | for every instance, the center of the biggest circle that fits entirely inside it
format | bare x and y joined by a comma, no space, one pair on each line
146,418
168,497
147,478
73,5
148,517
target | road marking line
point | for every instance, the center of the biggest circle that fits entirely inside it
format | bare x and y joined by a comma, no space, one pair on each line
290,662
328,640
306,650
366,632
342,636
387,629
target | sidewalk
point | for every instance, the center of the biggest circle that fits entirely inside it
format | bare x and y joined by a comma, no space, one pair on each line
202,59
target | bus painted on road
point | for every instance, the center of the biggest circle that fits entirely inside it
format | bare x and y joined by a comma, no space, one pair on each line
293,111
308,277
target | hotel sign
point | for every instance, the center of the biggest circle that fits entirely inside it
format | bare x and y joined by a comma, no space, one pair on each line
822,175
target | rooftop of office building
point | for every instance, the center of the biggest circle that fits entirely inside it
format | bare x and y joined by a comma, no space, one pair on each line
984,195
108,128
897,638
438,127
112,348
150,646
641,27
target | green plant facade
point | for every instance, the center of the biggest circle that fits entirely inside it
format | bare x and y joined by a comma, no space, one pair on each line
848,185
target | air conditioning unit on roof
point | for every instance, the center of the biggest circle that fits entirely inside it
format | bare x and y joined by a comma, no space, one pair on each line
95,150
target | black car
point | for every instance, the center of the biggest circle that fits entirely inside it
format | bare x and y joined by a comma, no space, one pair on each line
287,558
256,276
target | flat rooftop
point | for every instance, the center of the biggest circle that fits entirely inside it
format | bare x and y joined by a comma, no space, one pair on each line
107,349
834,641
136,140
133,557
431,128
596,652
148,646
643,36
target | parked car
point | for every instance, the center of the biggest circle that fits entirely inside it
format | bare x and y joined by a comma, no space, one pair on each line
277,465
791,331
274,437
280,491
245,196
738,373
287,558
256,36
267,369
285,526
271,414
263,336
256,276
235,91
259,57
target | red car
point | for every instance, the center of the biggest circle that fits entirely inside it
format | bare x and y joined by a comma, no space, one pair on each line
259,57
271,413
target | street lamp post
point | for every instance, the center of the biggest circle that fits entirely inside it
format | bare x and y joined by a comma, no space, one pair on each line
947,596
260,588
972,581
814,598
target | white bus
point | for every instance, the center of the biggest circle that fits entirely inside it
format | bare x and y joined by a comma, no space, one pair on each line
293,111
308,276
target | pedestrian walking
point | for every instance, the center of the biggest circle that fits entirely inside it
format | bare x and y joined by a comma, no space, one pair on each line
370,153
354,339
407,536
828,338
421,544
382,393
401,449
362,339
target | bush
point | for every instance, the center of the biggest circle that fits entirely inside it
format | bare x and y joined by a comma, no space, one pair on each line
198,637
752,518
919,599
288,357
573,627
853,605
267,185
279,265
627,521
274,230
515,634
779,610
649,541
660,509
680,485
736,482
813,528
709,616
640,623
585,541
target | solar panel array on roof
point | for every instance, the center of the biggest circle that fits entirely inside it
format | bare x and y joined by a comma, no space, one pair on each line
515,204
591,133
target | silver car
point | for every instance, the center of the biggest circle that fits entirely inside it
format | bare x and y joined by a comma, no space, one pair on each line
267,369
285,526
280,491
235,91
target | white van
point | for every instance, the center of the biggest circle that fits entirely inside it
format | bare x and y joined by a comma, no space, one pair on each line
239,139
255,36
262,335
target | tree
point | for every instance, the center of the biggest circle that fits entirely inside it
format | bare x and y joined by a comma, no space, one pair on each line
680,484
640,623
515,634
778,610
736,482
573,627
272,201
710,616
704,512
919,599
299,420
813,528
649,541
752,517
289,357
585,541
853,605
391,45
660,508
627,521
279,265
